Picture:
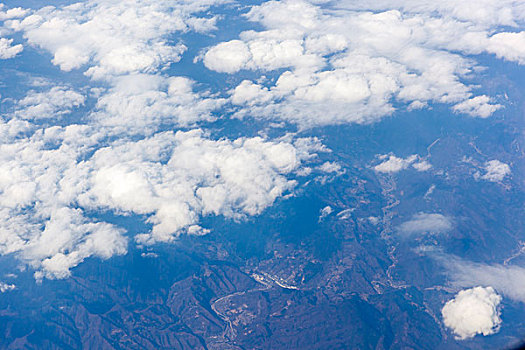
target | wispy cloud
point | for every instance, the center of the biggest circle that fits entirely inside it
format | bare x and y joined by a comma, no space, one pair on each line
426,223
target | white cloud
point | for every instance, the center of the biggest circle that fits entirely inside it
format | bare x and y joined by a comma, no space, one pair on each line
510,46
506,279
114,38
495,171
331,167
142,103
325,212
345,214
478,106
345,60
57,101
346,66
426,223
11,13
7,50
228,57
67,239
5,287
118,161
39,227
374,220
50,178
473,311
484,13
392,164
126,44
176,178
422,166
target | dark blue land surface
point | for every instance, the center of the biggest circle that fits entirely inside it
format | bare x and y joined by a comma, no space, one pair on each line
290,278
287,279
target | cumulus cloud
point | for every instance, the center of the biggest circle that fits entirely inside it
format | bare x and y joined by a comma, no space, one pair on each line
478,106
114,38
49,179
118,161
187,177
426,223
473,311
144,103
16,12
495,171
346,66
67,239
53,103
422,165
510,46
5,287
483,13
326,211
331,167
480,19
36,225
7,50
393,164
228,57
126,44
